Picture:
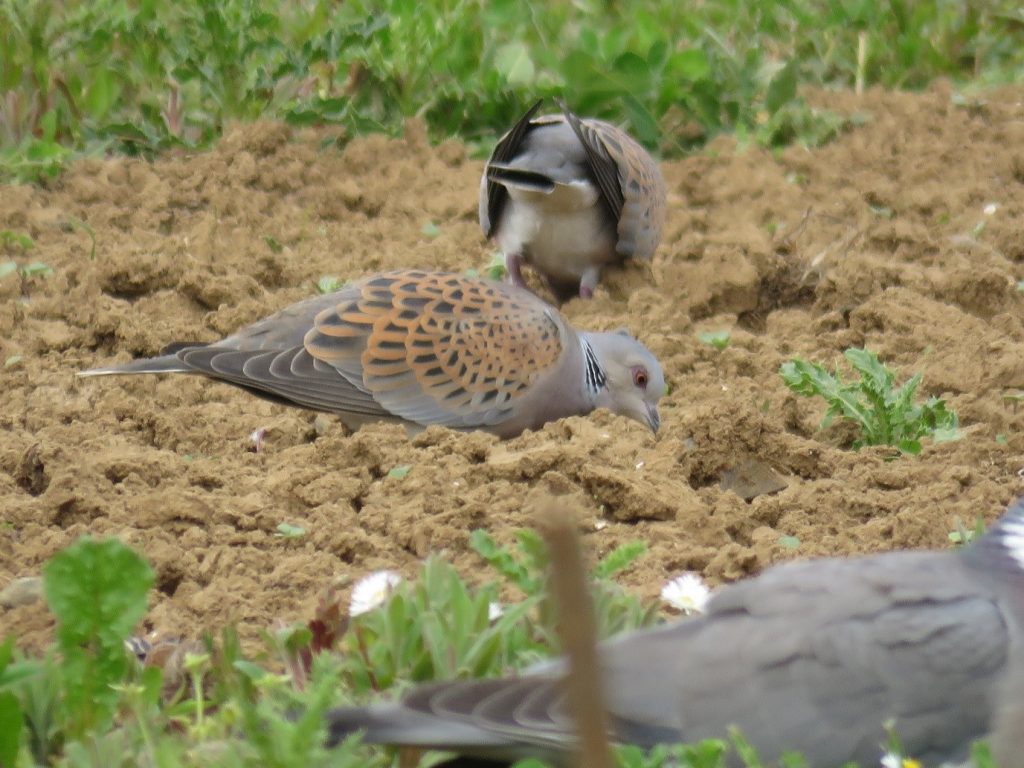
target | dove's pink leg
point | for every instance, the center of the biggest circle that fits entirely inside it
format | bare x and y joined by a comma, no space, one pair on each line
514,267
589,282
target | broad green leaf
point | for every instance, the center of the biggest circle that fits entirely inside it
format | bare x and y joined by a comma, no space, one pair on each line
513,61
12,726
717,339
782,88
97,590
399,472
289,531
691,64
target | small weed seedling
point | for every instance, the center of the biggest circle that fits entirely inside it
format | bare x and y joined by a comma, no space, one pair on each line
493,270
717,339
329,284
962,535
886,414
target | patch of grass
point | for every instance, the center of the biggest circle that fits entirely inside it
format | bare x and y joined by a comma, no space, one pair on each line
90,703
16,241
141,77
886,414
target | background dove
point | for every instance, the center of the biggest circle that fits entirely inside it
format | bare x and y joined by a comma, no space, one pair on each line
569,196
428,348
813,657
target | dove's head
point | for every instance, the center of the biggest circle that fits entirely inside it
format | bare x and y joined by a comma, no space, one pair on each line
633,380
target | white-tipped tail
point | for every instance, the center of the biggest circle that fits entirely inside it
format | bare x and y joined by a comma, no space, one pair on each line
1001,549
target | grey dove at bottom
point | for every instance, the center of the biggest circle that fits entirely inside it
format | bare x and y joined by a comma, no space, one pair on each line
813,657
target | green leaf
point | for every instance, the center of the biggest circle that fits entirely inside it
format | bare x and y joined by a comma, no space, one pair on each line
102,93
500,559
329,284
252,671
619,559
19,239
8,268
495,269
789,542
782,88
645,126
12,725
717,339
399,472
13,360
513,61
37,268
97,590
691,64
430,229
633,71
289,531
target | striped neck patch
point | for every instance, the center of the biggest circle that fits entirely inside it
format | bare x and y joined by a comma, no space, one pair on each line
594,377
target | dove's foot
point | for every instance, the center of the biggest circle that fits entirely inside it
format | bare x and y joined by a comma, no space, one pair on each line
514,267
589,282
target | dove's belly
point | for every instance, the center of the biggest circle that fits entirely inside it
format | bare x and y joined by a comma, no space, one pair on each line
559,243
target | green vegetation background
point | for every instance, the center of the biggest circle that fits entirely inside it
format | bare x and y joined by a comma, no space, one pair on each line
138,76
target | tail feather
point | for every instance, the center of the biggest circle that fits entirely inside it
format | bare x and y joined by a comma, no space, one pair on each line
396,725
176,346
1001,550
163,364
511,176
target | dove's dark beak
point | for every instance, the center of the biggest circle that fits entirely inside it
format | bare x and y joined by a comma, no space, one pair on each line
653,419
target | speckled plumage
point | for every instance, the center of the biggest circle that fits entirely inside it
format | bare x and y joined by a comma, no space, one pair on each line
569,196
426,348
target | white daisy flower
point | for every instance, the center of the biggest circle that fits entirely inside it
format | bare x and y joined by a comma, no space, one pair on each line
494,611
371,591
990,209
896,760
256,439
687,593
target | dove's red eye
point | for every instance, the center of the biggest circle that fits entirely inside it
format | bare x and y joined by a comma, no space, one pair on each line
640,377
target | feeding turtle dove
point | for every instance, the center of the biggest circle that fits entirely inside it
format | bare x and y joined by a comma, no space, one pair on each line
569,196
814,657
428,348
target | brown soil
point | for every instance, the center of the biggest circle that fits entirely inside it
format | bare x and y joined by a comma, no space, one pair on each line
874,240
